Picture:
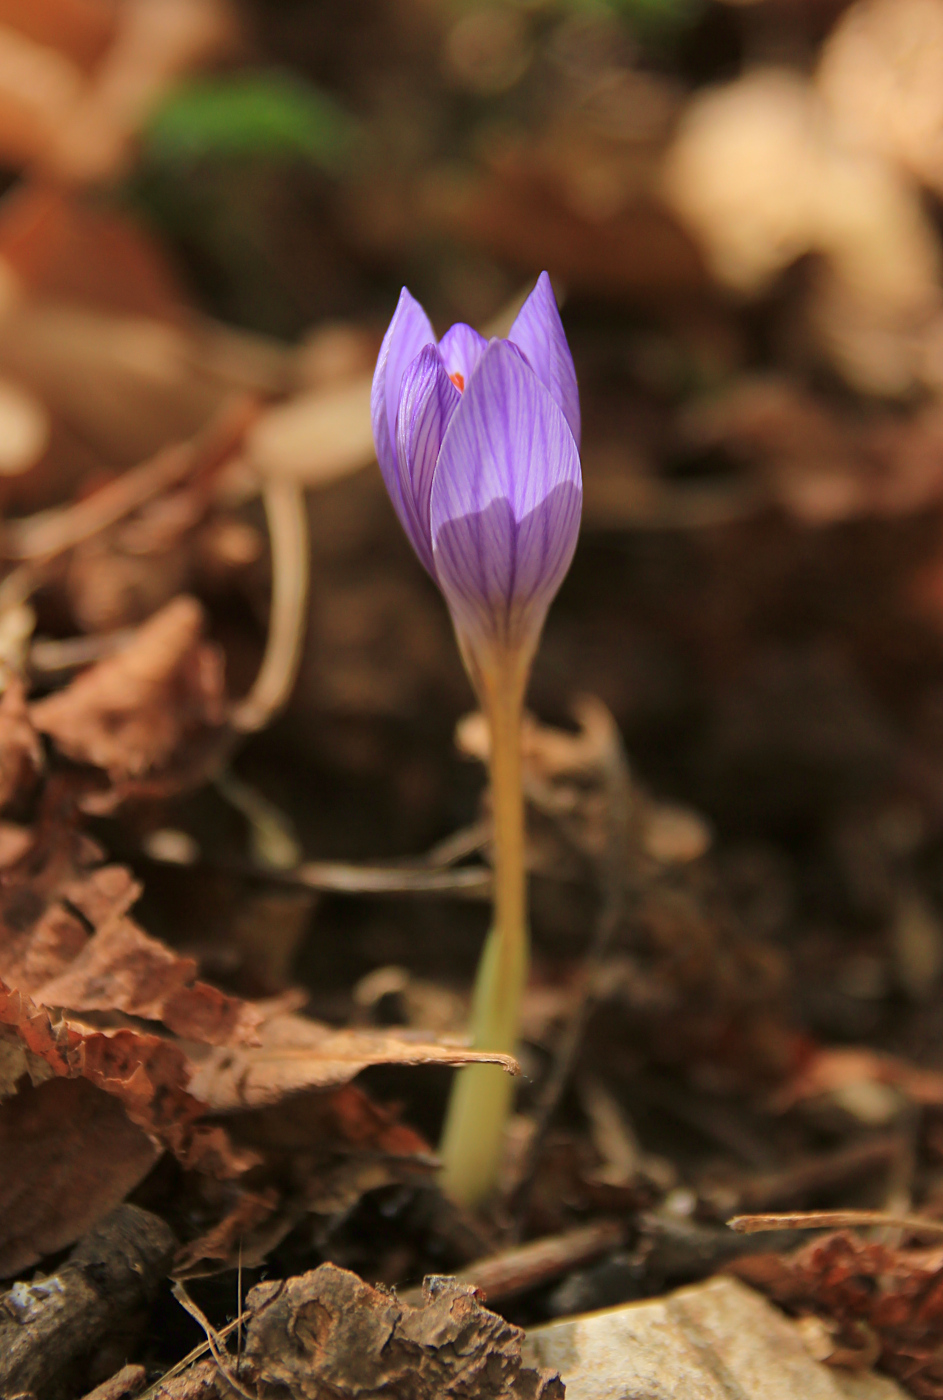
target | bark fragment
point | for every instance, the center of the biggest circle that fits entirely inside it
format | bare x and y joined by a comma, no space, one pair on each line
329,1334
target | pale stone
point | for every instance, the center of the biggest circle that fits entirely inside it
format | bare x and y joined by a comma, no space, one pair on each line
717,1340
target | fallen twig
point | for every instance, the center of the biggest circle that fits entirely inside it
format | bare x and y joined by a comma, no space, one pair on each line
213,1338
823,1171
378,879
48,1327
127,1381
191,1358
50,657
341,877
43,536
833,1220
526,1266
285,511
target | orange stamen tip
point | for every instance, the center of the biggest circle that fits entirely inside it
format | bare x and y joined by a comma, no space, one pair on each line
458,380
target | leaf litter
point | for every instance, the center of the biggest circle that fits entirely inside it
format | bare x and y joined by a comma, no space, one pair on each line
738,943
89,999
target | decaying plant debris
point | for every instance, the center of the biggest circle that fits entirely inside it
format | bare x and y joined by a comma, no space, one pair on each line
245,839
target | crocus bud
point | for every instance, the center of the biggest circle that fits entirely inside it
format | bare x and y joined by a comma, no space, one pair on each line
478,445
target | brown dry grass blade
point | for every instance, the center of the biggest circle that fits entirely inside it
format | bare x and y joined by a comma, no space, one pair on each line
833,1220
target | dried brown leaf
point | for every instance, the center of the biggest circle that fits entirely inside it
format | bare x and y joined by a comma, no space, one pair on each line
148,1073
875,1298
331,1147
81,28
68,941
60,249
224,1245
296,1054
142,714
70,1154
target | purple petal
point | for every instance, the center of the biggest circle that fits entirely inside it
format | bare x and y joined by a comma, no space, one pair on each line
408,332
461,348
505,506
539,332
428,399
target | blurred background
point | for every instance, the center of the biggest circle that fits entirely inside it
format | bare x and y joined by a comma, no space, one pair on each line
740,206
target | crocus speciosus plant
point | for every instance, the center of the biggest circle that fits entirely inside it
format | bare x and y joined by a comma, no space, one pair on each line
478,443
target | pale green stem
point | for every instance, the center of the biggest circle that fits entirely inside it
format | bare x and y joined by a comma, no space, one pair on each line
473,1139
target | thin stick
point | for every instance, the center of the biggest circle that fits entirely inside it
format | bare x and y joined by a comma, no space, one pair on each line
467,841
833,1220
239,1311
52,656
43,536
515,1271
212,1337
123,1385
191,1358
286,513
340,878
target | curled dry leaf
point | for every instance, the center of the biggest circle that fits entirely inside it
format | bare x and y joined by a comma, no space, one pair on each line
66,940
146,1073
328,1333
143,715
295,1053
154,1080
230,1241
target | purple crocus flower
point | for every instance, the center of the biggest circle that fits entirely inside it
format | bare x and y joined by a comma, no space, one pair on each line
478,443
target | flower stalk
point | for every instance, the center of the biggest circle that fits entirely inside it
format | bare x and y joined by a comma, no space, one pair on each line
480,1102
478,443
